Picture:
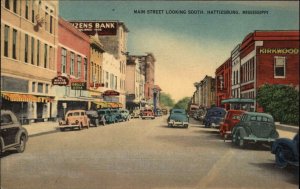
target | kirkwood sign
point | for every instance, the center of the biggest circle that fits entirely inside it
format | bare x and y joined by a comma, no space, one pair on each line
93,27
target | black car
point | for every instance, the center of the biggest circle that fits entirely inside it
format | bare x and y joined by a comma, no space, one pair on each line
95,118
213,117
286,151
12,134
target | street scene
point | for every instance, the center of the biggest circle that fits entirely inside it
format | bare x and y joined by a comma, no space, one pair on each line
149,94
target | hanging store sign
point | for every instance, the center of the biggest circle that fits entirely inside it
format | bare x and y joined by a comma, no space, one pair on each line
60,80
93,27
78,85
111,93
278,51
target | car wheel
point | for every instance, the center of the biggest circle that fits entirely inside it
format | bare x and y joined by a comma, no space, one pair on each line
279,158
22,145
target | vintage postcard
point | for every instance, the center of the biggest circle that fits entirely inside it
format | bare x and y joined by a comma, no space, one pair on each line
149,94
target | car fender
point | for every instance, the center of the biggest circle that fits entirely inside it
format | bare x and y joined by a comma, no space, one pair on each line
1,144
241,132
19,134
283,142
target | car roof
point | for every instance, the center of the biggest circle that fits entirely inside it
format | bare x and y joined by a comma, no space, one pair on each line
258,113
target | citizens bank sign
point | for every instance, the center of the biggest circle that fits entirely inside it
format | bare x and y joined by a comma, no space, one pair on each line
278,51
93,27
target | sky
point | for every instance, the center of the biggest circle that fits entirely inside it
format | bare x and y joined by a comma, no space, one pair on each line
187,47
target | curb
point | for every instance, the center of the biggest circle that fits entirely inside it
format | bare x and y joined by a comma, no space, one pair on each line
289,128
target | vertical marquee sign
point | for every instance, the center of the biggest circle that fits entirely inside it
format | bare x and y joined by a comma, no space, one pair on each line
93,27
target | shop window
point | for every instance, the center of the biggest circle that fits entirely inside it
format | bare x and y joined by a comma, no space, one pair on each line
47,89
85,69
279,66
14,47
63,60
40,88
51,22
6,37
78,66
26,49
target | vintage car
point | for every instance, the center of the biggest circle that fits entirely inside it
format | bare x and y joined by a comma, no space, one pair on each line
164,111
74,119
117,114
286,151
12,134
95,118
148,113
232,117
109,116
158,113
178,117
135,114
254,127
125,116
213,117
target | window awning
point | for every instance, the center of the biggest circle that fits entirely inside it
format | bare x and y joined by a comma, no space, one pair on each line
237,101
14,97
101,104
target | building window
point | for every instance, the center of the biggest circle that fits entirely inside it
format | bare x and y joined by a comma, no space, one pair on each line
116,82
85,69
38,53
92,72
32,11
47,89
40,88
45,55
32,50
72,63
14,47
26,9
33,87
46,21
79,66
50,56
279,66
26,49
15,6
7,4
6,37
51,21
63,60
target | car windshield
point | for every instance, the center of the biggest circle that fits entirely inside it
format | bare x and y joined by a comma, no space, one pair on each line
101,112
178,112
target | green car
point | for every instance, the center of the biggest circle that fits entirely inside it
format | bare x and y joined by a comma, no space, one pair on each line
254,127
178,117
109,116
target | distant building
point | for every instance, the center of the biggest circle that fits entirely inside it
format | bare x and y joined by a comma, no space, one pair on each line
205,94
29,36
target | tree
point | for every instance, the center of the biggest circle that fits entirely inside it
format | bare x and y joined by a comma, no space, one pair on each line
281,101
183,103
166,100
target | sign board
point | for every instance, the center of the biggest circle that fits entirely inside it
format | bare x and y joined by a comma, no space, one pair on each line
111,93
60,80
93,27
78,85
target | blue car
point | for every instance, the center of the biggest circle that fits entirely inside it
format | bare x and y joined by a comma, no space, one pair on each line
213,117
109,116
286,151
178,117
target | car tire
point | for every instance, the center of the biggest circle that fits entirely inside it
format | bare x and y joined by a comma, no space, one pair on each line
22,145
279,158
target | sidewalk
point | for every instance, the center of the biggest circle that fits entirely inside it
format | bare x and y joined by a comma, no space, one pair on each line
41,128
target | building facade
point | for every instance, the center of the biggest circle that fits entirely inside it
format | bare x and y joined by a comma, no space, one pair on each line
205,94
270,57
73,57
223,83
29,31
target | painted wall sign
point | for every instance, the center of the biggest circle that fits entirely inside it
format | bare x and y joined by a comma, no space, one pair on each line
278,51
93,27
78,85
60,80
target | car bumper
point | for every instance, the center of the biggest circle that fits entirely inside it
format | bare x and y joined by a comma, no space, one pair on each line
178,123
259,139
216,126
148,117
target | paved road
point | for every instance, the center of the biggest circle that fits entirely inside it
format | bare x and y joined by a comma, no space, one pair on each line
141,154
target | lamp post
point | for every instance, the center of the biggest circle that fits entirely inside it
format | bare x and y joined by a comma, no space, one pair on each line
154,99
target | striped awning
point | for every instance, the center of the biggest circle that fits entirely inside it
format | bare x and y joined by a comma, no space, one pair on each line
14,97
101,104
45,99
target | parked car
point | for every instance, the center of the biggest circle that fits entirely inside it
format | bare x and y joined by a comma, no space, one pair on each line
213,117
117,114
164,111
74,119
12,134
254,127
178,117
232,117
95,118
286,151
158,113
148,113
108,115
135,114
125,116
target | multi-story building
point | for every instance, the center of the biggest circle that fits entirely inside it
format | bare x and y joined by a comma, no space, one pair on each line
134,84
204,96
223,83
73,57
28,57
113,36
270,57
235,72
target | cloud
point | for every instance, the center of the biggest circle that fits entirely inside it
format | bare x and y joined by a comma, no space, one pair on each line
180,60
